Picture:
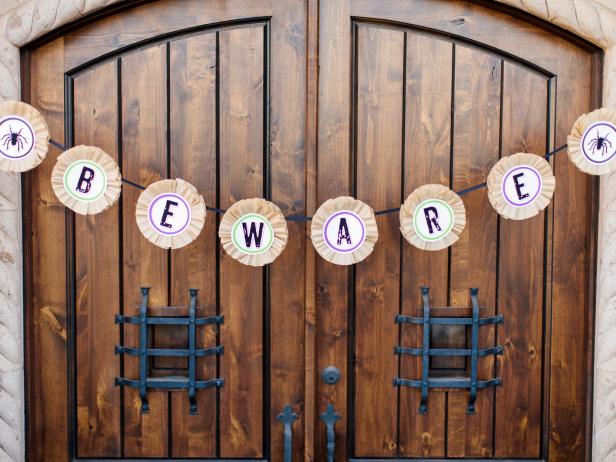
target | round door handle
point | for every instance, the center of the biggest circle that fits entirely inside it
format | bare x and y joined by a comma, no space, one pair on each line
331,375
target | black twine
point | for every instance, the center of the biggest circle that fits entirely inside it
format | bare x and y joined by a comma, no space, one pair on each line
308,218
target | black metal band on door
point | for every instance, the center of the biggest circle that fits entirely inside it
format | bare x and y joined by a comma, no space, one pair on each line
471,383
179,382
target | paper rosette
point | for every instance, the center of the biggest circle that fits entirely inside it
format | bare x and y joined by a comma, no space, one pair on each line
170,213
452,218
253,232
86,179
537,185
344,243
24,137
592,142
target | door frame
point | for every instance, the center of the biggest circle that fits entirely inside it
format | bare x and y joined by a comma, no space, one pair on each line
18,34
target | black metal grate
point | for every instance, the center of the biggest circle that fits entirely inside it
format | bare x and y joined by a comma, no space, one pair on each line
471,383
143,352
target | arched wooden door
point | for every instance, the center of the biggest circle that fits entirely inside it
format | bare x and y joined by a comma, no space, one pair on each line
226,95
436,91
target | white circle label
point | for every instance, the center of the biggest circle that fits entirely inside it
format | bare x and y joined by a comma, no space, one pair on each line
85,180
599,142
252,234
16,137
169,214
433,219
344,231
521,185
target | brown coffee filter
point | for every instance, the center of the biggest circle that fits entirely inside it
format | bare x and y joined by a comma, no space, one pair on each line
24,137
495,182
340,204
102,164
434,192
197,213
605,161
266,210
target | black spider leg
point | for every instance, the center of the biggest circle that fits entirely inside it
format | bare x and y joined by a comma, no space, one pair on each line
20,144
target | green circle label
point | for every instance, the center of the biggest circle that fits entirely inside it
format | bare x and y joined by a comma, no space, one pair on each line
252,234
433,219
85,180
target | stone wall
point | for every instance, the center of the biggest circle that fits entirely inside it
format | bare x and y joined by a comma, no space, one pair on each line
21,21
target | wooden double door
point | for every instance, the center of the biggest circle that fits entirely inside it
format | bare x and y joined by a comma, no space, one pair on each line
299,102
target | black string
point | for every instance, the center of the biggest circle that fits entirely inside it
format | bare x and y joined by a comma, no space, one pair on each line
308,218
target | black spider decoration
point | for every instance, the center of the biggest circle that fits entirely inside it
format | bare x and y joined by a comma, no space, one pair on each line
600,143
14,138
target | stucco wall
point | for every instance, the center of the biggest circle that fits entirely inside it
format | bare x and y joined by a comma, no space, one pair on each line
21,21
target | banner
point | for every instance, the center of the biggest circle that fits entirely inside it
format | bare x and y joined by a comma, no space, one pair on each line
24,137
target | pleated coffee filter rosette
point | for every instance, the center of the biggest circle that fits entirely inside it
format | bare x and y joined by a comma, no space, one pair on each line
592,142
24,137
432,217
344,230
170,213
253,231
86,179
520,186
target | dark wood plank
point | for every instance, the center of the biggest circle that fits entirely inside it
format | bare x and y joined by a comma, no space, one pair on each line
241,287
521,279
380,89
288,191
572,268
97,254
47,317
193,158
427,154
473,257
144,160
333,171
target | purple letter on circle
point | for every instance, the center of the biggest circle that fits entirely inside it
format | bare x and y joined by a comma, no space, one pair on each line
344,231
169,214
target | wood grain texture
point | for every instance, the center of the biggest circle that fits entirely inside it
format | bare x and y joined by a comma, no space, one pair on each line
521,279
97,259
333,161
473,257
192,76
380,84
241,287
426,160
288,190
144,160
47,317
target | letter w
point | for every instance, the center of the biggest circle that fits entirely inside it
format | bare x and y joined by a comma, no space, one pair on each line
253,233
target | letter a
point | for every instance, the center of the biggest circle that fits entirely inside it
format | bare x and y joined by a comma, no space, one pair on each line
432,220
85,180
253,233
343,232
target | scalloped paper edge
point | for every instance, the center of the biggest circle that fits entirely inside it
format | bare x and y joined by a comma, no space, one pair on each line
197,217
266,209
425,192
574,140
331,206
41,135
105,162
498,172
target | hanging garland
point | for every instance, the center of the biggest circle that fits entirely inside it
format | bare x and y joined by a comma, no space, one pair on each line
171,213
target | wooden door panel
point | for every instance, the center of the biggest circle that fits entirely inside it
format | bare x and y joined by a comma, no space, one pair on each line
97,280
464,106
192,77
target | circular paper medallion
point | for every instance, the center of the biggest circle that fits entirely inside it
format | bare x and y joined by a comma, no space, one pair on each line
253,231
170,213
432,217
344,230
520,186
24,137
592,142
86,179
